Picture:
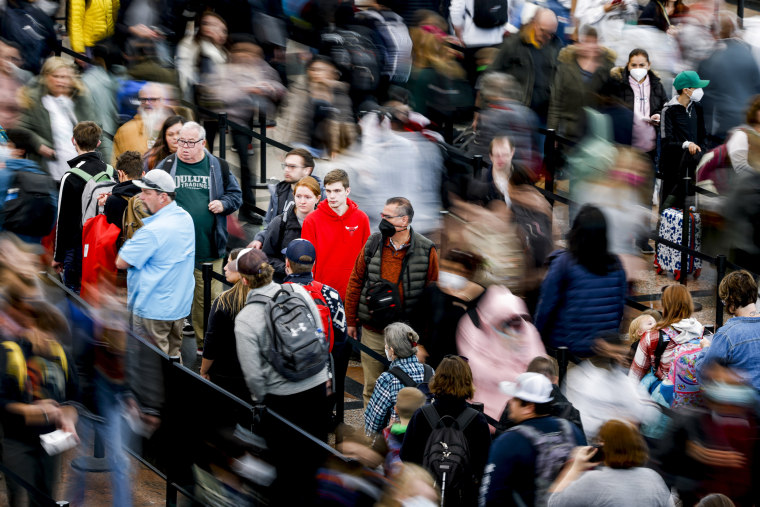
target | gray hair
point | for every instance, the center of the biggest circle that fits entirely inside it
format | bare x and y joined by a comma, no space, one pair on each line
400,337
197,127
495,85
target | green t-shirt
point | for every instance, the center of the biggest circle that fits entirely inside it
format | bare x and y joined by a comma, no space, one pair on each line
192,182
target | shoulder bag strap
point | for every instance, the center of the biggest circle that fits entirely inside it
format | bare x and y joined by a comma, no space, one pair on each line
431,414
402,376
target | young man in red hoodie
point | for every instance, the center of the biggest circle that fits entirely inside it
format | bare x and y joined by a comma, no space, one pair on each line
338,230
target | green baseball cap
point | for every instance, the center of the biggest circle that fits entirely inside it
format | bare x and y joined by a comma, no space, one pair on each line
689,79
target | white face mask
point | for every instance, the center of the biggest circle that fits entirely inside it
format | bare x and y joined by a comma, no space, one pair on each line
451,281
638,73
388,354
697,95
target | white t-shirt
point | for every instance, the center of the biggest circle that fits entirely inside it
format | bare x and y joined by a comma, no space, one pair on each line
62,121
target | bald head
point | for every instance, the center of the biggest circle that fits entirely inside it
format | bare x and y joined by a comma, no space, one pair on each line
151,96
544,25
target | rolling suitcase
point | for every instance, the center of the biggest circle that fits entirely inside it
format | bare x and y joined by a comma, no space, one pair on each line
671,229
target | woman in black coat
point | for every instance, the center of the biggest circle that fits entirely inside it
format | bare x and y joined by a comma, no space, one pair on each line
452,387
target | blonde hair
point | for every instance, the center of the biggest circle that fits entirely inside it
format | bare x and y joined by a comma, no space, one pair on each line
633,329
429,50
55,63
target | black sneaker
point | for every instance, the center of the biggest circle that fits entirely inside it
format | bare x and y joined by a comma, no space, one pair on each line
646,249
187,329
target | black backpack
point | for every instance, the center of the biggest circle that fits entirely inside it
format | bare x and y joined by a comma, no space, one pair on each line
30,204
356,57
408,381
298,349
489,13
447,452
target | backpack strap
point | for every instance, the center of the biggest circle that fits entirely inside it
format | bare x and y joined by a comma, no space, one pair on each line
402,376
466,417
110,170
428,373
82,174
370,249
431,414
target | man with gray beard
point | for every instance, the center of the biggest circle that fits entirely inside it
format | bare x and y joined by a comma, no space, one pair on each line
140,133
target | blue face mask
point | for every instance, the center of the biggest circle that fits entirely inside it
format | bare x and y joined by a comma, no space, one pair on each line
729,394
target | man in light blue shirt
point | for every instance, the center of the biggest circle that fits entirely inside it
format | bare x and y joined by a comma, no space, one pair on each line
160,258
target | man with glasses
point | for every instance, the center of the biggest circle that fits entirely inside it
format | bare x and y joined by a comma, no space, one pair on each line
209,192
530,57
298,164
389,277
140,133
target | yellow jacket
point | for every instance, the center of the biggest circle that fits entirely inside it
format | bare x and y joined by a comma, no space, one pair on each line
91,23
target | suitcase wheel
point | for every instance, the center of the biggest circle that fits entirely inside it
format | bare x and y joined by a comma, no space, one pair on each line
677,274
658,270
697,272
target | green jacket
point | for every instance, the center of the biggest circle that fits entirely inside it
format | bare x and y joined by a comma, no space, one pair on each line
570,93
33,128
514,58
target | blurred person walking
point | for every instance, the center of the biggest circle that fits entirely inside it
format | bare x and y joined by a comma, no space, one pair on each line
530,56
395,262
734,78
499,342
524,461
583,72
12,79
714,449
209,192
244,87
584,291
620,479
451,387
445,302
52,106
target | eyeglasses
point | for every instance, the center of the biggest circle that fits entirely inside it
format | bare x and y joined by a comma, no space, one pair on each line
291,166
149,99
189,144
388,217
454,356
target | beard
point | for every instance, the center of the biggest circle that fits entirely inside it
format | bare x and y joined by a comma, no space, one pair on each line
153,120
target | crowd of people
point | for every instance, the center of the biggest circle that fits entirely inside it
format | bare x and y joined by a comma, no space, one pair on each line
452,287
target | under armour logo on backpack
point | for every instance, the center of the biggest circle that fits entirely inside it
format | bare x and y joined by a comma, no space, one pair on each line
295,331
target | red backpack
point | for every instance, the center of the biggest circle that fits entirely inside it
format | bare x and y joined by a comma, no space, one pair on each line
99,251
315,291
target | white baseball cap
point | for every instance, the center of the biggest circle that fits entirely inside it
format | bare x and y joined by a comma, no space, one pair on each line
531,387
158,180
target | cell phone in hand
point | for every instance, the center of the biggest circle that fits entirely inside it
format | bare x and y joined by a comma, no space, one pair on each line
599,456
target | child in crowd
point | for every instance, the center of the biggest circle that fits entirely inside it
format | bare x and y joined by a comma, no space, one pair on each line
409,399
640,325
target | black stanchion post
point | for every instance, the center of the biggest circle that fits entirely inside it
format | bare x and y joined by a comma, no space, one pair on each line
172,441
206,271
685,229
263,146
740,11
562,359
223,136
477,164
720,266
550,157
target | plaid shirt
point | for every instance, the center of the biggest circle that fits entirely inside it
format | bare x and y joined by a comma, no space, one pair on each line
383,398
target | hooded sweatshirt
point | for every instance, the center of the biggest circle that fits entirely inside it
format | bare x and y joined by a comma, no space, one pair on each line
678,333
337,239
492,356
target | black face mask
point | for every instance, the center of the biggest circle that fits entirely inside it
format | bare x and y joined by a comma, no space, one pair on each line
387,229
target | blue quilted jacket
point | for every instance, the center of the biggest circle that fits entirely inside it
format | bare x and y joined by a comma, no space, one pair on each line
576,306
